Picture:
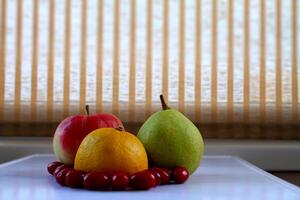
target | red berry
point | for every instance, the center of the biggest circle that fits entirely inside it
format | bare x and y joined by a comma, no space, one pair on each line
168,171
180,174
95,181
52,166
157,177
163,174
143,180
119,181
59,168
74,178
61,176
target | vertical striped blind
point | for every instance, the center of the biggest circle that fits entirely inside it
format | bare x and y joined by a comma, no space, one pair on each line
216,61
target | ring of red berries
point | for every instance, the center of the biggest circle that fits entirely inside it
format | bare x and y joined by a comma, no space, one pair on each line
66,175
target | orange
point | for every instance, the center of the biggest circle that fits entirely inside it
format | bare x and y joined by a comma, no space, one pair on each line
110,150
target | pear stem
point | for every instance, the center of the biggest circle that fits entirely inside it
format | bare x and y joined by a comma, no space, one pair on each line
163,103
87,109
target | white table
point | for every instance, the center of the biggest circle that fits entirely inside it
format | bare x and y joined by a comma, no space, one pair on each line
219,177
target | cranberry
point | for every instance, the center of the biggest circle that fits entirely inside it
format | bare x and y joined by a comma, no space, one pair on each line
52,166
180,174
74,178
143,180
168,171
157,177
59,168
95,181
163,174
119,181
61,176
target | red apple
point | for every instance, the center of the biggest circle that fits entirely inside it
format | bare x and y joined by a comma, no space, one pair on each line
71,131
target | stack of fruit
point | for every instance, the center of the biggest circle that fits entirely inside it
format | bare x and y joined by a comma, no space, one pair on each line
96,153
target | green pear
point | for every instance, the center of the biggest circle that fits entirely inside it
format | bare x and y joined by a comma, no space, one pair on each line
171,139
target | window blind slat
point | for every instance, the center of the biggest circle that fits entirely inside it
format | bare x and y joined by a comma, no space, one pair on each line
2,56
83,56
230,64
214,59
148,97
262,78
278,61
18,61
198,63
248,47
99,87
115,97
294,59
165,50
181,71
131,100
50,60
35,48
246,52
67,51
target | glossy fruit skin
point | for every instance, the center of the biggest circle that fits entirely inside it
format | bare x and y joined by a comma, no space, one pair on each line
171,140
126,152
59,168
167,171
96,181
143,180
157,177
52,166
74,178
164,176
119,181
71,131
180,175
61,176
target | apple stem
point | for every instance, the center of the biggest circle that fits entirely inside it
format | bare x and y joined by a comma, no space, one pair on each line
87,109
120,128
163,103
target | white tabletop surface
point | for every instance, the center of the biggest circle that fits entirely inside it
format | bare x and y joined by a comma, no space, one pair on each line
218,177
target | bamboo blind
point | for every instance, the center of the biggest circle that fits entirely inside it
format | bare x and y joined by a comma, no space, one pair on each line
216,61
